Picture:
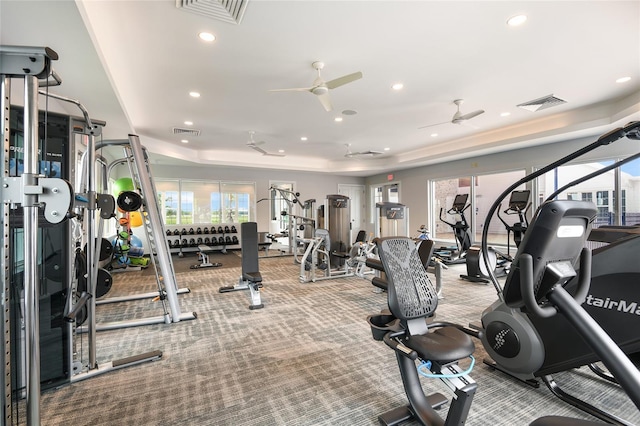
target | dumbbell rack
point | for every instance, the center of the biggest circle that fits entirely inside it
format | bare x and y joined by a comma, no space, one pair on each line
188,239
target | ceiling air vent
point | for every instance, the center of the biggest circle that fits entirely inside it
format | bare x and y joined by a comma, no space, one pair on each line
223,10
542,103
190,132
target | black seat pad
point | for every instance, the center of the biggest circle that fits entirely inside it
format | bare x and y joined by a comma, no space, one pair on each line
340,254
562,421
445,344
254,277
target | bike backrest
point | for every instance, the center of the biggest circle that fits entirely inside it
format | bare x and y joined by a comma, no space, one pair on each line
410,293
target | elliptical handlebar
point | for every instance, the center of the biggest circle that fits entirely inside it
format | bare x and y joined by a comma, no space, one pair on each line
455,210
442,220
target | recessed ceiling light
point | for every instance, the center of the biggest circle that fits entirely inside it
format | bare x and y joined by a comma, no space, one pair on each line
387,149
184,141
433,135
505,114
303,139
623,79
397,86
188,123
516,20
194,94
206,36
281,151
337,119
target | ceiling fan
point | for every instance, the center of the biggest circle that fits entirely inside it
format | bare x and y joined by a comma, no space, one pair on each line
369,153
321,88
255,146
458,117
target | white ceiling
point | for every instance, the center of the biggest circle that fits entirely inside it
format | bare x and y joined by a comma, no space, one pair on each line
133,63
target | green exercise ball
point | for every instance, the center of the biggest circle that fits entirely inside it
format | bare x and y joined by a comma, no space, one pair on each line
121,185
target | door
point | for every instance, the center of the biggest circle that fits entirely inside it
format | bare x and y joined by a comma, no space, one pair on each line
357,203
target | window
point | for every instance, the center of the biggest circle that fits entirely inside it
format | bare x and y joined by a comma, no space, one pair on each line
630,186
203,202
445,192
602,186
602,198
487,189
168,199
237,201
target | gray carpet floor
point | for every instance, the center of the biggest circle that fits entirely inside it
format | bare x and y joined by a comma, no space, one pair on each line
306,358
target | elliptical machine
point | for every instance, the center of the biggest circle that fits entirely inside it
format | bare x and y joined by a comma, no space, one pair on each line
529,346
460,231
519,204
499,262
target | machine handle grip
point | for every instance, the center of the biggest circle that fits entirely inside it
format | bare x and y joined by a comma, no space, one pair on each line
526,288
584,279
399,347
82,301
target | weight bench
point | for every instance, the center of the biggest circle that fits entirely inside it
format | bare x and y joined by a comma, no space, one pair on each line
203,257
250,279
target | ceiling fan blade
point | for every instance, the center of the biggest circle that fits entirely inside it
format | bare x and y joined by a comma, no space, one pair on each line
296,89
254,143
362,154
432,125
325,101
340,81
257,148
469,116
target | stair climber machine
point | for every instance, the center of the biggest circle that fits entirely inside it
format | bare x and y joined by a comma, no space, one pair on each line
528,346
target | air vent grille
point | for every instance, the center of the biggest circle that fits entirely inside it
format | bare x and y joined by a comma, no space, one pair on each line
230,11
190,132
542,103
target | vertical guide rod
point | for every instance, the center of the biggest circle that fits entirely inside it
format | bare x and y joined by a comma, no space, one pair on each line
90,212
151,203
31,283
5,327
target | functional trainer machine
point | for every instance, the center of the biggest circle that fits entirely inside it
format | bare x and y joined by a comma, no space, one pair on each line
28,357
304,222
